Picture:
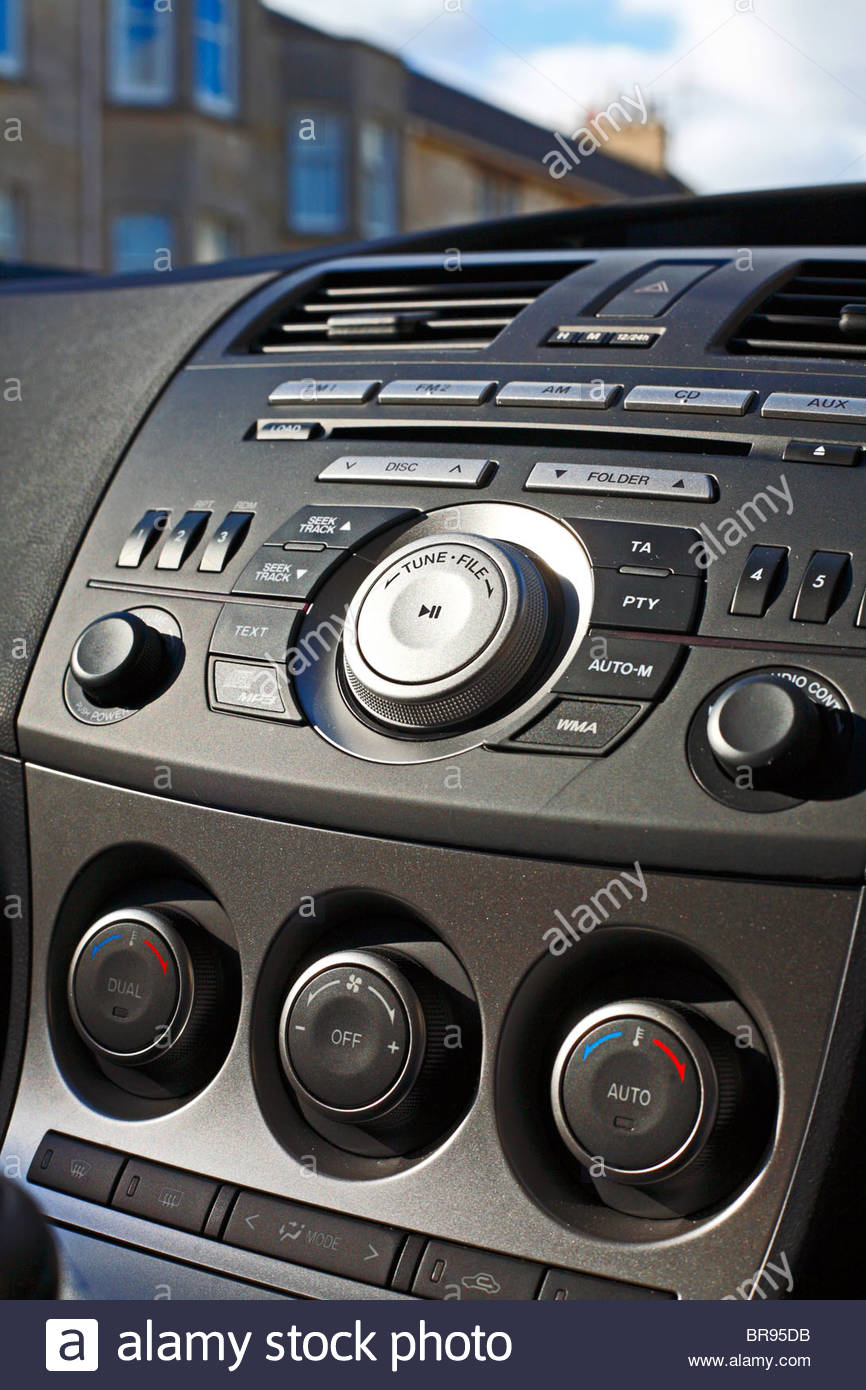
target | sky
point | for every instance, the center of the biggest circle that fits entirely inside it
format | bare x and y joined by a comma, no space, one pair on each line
755,93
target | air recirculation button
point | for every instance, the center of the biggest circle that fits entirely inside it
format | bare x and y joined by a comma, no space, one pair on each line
443,631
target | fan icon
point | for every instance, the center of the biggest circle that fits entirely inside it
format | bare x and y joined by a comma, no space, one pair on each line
353,984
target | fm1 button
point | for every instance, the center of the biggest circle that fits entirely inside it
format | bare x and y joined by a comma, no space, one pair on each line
631,1093
125,988
350,1034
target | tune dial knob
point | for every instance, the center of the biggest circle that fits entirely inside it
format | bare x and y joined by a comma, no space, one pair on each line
444,630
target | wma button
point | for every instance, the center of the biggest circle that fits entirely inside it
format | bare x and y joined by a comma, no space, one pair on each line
580,726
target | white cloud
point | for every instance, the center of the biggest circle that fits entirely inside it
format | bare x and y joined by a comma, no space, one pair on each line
755,93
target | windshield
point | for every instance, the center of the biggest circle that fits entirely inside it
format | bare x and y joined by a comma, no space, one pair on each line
145,135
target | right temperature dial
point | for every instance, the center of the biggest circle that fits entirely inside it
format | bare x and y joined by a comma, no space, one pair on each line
649,1098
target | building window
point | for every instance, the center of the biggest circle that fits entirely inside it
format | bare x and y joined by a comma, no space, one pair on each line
142,242
379,180
11,38
317,192
141,56
11,227
215,48
497,197
216,239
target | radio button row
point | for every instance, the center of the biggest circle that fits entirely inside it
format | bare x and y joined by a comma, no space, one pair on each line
586,395
693,399
259,632
307,391
277,572
667,603
614,544
386,468
340,528
580,726
629,482
760,581
449,392
621,668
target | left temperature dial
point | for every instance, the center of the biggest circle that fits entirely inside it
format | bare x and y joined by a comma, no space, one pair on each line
144,990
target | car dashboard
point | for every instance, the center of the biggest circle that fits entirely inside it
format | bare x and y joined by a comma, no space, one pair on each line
438,749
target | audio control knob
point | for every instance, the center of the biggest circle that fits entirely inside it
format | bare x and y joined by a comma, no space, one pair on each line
767,729
444,630
119,660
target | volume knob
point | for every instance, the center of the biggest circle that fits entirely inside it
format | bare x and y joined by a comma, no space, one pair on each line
119,660
444,630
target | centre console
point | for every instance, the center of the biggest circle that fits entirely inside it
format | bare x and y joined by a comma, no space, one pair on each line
445,765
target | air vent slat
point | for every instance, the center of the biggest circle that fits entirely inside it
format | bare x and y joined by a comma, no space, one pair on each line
803,317
441,309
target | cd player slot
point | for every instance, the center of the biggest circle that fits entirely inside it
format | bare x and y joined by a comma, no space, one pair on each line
535,436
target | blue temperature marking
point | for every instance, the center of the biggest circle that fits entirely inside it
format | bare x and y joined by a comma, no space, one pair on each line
100,944
590,1047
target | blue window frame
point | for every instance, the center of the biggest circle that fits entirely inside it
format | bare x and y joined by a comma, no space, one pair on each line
318,174
11,38
141,53
142,242
11,228
379,180
215,56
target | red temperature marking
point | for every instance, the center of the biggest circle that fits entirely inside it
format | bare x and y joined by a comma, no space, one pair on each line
158,956
680,1066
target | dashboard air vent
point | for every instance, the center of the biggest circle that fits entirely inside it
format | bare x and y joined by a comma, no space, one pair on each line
397,308
819,312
